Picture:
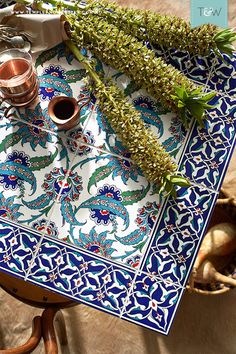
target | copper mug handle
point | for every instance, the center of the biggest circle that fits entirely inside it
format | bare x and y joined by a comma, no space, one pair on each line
65,111
7,109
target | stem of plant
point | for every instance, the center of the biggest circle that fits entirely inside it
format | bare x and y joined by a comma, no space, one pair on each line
68,5
167,179
75,50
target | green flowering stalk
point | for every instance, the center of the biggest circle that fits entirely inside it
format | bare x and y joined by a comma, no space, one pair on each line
129,55
168,31
165,30
145,149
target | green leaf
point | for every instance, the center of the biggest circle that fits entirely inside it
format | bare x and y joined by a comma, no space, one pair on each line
168,187
131,88
140,246
180,104
98,175
40,162
195,101
75,75
170,181
207,97
223,41
196,91
196,109
45,56
206,105
46,210
10,140
131,197
180,92
180,181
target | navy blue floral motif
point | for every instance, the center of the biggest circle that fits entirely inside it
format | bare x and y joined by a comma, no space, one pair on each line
144,102
50,87
19,157
13,180
84,137
104,216
133,261
56,71
47,227
111,192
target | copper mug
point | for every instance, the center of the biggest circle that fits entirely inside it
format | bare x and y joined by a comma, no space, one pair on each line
18,79
65,111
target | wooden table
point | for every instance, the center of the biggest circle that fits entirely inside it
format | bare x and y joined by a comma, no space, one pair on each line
42,326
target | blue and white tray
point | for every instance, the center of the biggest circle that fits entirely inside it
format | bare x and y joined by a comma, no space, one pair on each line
78,217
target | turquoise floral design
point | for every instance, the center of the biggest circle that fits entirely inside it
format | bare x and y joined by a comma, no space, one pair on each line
116,167
53,83
96,242
150,111
145,220
34,135
62,185
66,187
104,230
177,137
147,216
106,206
39,118
9,208
123,168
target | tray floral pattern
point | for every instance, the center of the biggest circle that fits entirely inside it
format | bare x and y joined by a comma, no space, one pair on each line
78,217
